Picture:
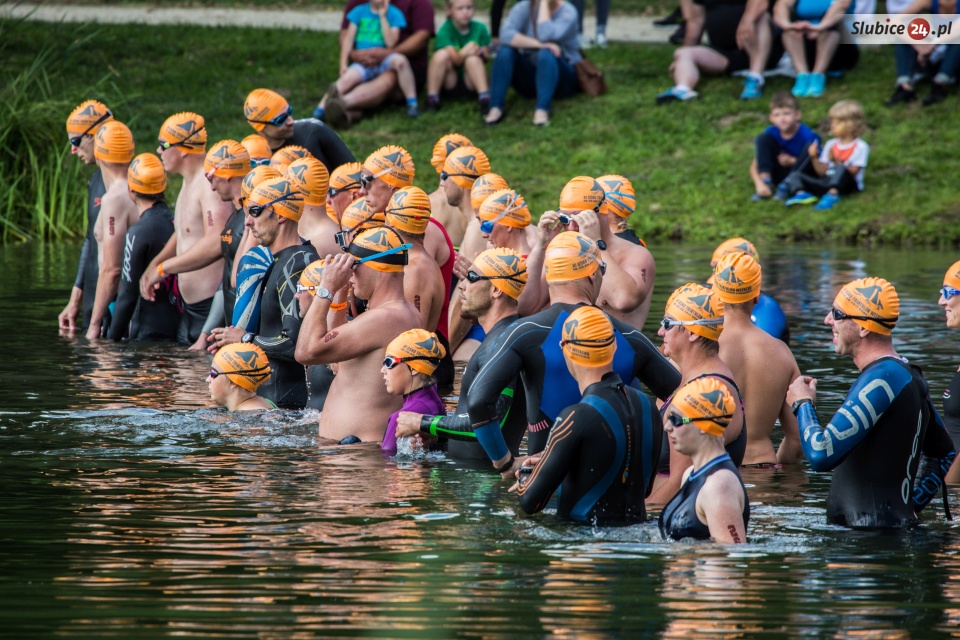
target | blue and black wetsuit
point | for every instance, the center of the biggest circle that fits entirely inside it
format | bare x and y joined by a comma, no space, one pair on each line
679,519
511,407
531,346
951,409
874,445
321,141
88,267
602,454
133,316
230,239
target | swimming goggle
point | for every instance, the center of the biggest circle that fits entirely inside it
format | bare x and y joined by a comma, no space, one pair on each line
677,420
590,344
486,226
164,145
210,175
888,323
391,361
473,276
259,372
76,140
609,195
400,258
333,192
301,288
670,323
340,237
444,175
949,292
367,180
256,210
279,119
259,162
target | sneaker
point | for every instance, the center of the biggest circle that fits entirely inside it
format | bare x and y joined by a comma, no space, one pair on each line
801,197
677,36
901,95
801,84
602,40
336,114
782,192
675,94
756,197
816,85
332,92
412,111
484,106
318,113
675,18
752,88
826,202
938,92
431,104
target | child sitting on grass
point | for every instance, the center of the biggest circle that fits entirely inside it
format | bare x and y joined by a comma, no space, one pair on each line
837,169
459,64
408,366
781,149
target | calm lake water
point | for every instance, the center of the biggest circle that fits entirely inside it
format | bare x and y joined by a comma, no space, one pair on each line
132,509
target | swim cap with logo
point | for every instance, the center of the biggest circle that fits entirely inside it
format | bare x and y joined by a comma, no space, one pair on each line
409,210
114,143
872,298
244,364
484,186
254,177
417,343
311,275
588,337
733,245
379,240
186,130
508,264
952,277
618,194
582,193
227,159
465,165
445,146
258,148
310,176
359,216
86,116
695,302
708,398
346,177
146,175
737,278
281,196
392,164
505,207
570,256
287,155
263,105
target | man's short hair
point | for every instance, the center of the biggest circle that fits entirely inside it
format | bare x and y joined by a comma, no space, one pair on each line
784,100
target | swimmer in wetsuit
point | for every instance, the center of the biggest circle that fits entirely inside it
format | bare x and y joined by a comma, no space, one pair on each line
489,293
237,372
574,272
950,301
887,447
602,452
712,501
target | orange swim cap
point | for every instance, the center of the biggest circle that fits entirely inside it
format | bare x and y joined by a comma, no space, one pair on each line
359,216
245,364
87,117
146,175
444,146
253,179
618,194
346,177
281,195
186,131
227,159
737,278
409,210
310,176
114,143
505,207
392,164
734,245
419,344
262,106
588,338
258,148
571,256
707,402
311,275
379,240
582,193
287,155
484,186
506,268
873,298
696,303
465,165
952,277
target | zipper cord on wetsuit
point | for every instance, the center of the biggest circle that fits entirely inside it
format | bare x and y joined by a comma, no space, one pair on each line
946,502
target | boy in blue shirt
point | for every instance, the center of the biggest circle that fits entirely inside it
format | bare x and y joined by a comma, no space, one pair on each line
781,149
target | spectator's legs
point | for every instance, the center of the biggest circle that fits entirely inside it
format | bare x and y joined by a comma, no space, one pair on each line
906,59
603,12
440,67
762,168
350,79
370,94
688,62
580,6
496,17
947,73
827,43
509,67
475,72
759,49
793,43
840,181
691,11
400,64
548,75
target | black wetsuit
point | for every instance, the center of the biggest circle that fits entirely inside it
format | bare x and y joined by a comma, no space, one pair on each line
320,140
679,520
319,379
631,236
88,267
951,409
229,244
531,345
133,316
874,444
280,326
192,321
511,407
602,453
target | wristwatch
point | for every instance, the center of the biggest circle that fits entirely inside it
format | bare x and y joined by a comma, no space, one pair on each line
601,245
247,338
795,407
323,292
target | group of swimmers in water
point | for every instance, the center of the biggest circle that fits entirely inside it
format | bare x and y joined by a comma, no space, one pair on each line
336,284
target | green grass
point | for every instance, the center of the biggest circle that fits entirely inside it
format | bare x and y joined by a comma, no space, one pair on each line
688,161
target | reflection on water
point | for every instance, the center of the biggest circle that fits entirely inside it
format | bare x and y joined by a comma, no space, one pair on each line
130,504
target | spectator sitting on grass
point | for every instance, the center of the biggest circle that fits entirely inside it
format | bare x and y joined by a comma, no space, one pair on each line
839,167
781,148
811,31
459,65
916,61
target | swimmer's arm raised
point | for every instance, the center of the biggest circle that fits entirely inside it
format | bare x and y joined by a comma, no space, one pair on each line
535,295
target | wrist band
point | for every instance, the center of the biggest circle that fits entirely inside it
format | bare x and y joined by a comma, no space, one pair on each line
433,425
338,306
506,465
160,271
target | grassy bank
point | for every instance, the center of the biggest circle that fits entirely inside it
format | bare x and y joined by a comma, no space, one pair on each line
688,161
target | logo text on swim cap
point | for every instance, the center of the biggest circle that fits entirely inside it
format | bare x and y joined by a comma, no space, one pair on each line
745,247
512,262
223,152
715,398
469,163
451,146
729,275
189,126
586,245
283,187
872,294
380,238
429,345
135,166
571,326
400,197
89,111
395,158
298,172
703,301
249,358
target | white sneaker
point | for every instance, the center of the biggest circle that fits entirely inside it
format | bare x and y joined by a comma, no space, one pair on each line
602,40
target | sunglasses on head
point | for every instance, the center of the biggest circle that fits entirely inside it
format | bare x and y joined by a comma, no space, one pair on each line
391,361
596,344
444,175
677,420
949,292
76,140
164,145
670,323
333,192
473,276
279,119
256,210
840,315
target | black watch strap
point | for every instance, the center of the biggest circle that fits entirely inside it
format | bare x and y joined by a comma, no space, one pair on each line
795,407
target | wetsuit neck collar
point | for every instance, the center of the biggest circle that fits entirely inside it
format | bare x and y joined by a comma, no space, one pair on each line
419,389
609,379
713,462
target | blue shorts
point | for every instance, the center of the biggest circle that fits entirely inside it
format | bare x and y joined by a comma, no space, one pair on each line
369,73
476,333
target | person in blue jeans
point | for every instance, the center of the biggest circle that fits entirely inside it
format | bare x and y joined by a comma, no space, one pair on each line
539,48
918,61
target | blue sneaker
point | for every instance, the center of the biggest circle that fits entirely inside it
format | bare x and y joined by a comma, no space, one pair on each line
817,84
752,88
782,192
800,85
801,197
675,94
826,202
